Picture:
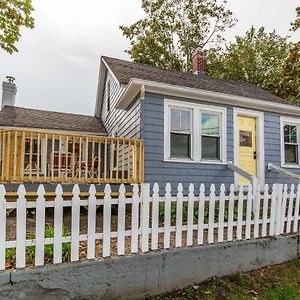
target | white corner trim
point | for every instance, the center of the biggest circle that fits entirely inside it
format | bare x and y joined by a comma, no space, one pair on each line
134,87
260,141
289,121
196,109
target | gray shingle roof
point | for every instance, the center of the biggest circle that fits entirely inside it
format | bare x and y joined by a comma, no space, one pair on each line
12,116
125,70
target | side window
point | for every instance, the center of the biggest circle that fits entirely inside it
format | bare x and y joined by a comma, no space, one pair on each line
210,136
180,133
291,144
108,92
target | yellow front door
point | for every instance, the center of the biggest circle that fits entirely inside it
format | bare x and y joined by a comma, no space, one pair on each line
247,147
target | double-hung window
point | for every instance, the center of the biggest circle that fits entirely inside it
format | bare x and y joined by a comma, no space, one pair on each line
180,133
290,142
210,136
194,132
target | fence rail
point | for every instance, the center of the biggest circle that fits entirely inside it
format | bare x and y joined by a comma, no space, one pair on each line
40,156
145,221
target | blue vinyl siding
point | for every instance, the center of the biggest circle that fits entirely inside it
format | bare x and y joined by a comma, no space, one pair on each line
156,170
272,149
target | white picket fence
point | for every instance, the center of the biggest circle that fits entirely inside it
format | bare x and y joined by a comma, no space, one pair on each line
199,218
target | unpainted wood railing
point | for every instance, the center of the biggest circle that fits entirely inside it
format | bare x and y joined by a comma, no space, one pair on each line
40,156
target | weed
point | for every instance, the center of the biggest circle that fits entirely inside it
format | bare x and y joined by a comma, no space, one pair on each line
10,254
296,263
286,292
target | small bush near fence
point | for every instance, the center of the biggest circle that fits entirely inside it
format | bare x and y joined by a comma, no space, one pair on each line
143,222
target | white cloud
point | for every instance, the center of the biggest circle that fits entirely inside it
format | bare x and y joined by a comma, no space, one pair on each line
57,66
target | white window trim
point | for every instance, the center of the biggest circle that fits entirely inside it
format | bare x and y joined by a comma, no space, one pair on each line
195,131
260,141
289,121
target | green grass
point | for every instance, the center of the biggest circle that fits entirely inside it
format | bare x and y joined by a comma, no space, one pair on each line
280,282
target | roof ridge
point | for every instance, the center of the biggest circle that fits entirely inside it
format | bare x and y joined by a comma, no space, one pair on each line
185,73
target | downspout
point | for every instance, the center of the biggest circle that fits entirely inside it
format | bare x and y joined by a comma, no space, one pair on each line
142,98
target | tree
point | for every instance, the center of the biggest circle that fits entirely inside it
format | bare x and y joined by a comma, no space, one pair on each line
290,82
173,29
14,14
258,58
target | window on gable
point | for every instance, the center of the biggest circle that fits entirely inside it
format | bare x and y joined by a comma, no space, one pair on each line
108,96
180,133
290,144
210,136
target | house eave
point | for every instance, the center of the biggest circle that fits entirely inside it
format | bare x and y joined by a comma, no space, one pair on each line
134,87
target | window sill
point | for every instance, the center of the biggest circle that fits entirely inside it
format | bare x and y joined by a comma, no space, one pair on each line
189,161
290,166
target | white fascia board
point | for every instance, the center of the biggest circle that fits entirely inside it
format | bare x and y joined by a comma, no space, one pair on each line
100,88
134,87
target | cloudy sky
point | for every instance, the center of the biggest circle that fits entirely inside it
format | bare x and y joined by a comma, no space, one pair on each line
57,64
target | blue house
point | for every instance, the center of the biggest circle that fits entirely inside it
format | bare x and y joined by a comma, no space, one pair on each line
153,125
198,129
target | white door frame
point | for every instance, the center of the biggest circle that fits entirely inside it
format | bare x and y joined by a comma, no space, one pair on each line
260,145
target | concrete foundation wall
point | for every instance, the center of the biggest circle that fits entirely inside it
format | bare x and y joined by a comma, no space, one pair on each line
151,273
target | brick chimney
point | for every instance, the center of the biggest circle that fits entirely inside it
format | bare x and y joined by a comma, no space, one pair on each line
199,62
9,91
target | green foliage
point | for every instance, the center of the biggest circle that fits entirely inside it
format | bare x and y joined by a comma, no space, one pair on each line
14,14
30,251
282,293
257,58
173,29
296,24
196,212
290,82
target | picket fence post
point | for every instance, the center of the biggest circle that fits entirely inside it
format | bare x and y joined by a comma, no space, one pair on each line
135,219
240,213
296,218
58,224
279,209
40,227
249,212
221,214
106,220
2,226
75,223
256,196
283,208
190,220
155,217
21,228
91,222
201,208
265,210
290,209
230,214
178,241
145,216
167,216
211,217
121,220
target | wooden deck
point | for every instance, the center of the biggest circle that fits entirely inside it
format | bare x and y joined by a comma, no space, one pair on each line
54,157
